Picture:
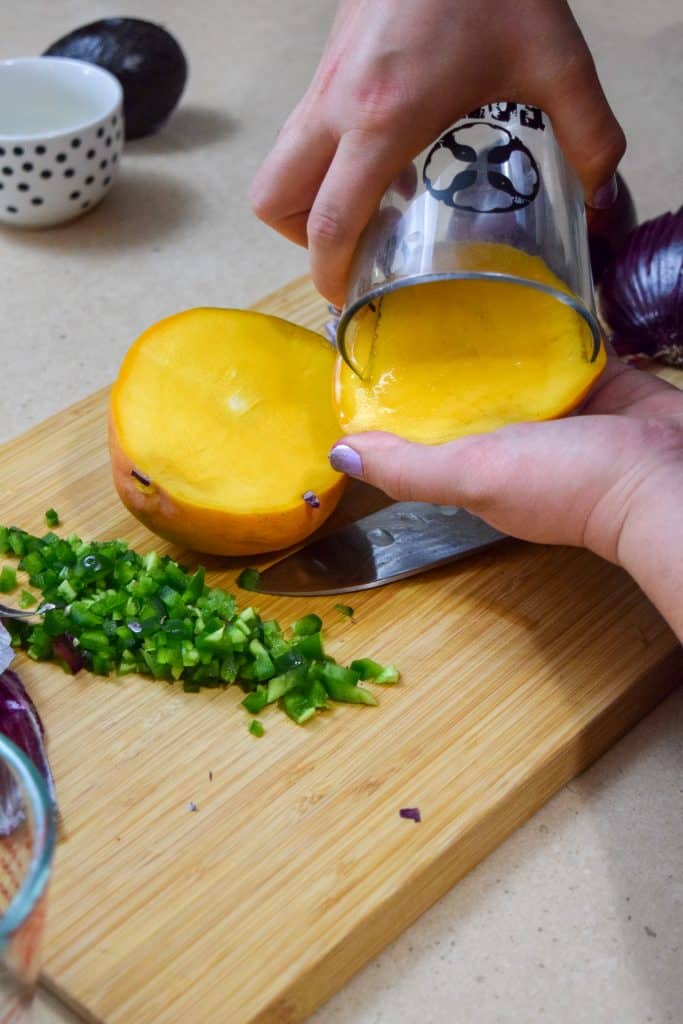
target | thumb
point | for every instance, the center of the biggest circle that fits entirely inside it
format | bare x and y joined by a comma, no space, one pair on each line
536,481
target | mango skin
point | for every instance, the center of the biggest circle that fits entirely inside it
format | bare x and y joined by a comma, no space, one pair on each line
211,531
242,511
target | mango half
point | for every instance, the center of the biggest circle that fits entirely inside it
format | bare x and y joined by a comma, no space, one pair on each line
221,421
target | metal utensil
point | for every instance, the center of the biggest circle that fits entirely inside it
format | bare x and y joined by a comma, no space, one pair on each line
26,613
400,540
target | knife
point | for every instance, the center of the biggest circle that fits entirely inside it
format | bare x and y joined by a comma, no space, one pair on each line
401,540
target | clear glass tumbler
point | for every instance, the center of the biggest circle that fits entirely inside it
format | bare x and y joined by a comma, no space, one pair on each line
497,176
27,839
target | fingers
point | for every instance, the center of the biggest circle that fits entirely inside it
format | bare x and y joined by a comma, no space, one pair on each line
591,138
536,481
364,166
414,472
285,186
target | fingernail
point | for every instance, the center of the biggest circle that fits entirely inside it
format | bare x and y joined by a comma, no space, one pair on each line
605,196
345,460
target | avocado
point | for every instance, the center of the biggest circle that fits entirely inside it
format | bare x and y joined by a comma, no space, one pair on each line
145,58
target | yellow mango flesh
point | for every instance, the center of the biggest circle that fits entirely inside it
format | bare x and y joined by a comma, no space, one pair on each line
228,414
450,358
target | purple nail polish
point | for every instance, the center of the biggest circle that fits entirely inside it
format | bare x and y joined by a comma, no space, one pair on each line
345,460
605,196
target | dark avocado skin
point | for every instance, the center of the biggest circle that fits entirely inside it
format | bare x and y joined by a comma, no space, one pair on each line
145,58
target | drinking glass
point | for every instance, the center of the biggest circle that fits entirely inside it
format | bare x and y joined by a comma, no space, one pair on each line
497,176
27,839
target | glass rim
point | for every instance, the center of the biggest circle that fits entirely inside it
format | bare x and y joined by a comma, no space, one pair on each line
387,287
44,834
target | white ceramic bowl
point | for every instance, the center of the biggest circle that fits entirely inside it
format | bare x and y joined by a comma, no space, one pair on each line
61,137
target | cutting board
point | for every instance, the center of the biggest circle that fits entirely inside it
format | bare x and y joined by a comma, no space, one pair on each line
520,667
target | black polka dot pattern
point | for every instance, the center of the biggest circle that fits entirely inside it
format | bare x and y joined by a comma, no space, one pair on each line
47,182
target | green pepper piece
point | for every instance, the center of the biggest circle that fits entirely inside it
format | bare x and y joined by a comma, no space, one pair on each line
57,622
331,672
317,694
342,685
52,518
388,676
289,659
310,646
349,693
195,587
272,633
66,591
279,685
307,625
8,580
297,706
17,541
256,700
249,579
256,728
27,599
369,669
345,610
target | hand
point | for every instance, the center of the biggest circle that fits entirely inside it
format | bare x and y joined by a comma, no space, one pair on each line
609,479
392,78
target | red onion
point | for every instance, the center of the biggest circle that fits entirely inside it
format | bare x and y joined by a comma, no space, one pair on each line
641,292
20,723
411,813
608,229
63,647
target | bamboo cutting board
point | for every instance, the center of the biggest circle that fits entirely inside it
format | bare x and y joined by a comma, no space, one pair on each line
520,666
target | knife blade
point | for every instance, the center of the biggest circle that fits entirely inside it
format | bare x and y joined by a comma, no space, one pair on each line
401,540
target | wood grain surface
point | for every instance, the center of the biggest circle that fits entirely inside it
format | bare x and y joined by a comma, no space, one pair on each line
519,666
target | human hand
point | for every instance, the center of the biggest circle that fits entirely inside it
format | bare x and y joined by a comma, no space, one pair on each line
609,479
392,78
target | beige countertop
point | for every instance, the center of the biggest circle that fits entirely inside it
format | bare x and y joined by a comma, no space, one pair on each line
578,917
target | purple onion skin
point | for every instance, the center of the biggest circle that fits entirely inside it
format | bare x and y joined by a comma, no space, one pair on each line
20,723
63,648
641,291
608,229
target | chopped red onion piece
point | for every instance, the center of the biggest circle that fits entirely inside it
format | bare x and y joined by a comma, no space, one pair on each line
412,813
64,648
